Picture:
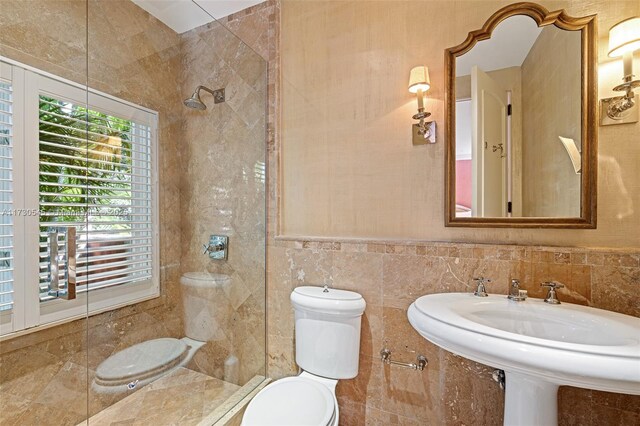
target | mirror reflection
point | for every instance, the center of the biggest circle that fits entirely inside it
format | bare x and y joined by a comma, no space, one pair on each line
518,123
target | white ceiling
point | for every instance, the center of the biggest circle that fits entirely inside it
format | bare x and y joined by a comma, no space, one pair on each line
508,46
184,15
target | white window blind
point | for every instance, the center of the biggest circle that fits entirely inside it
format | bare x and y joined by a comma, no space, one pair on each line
95,175
6,197
72,157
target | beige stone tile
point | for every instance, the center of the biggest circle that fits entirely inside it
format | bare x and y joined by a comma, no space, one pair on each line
211,357
411,393
281,357
366,387
183,397
470,396
603,415
66,389
628,260
359,272
406,392
615,289
12,407
578,288
310,268
17,364
575,406
595,258
280,316
352,413
562,257
401,338
44,414
372,332
279,270
405,278
377,417
616,400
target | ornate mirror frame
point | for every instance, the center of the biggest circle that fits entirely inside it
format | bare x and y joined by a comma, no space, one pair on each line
589,133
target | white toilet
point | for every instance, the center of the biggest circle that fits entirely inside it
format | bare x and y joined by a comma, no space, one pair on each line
145,362
327,325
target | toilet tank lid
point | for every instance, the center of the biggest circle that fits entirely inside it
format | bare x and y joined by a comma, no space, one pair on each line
204,279
328,300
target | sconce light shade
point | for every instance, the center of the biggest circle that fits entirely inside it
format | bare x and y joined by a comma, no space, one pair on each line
624,37
419,79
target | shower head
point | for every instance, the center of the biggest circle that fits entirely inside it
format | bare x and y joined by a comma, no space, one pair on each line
196,103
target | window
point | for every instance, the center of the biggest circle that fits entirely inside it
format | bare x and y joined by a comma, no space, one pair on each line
6,190
78,181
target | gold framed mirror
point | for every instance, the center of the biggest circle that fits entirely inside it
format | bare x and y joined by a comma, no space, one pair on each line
521,136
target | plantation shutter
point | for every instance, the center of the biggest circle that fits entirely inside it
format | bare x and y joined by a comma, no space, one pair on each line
7,207
95,174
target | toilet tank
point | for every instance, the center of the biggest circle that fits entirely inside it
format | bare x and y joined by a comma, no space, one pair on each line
327,326
207,311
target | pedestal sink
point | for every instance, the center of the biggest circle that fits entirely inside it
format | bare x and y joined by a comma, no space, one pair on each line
539,347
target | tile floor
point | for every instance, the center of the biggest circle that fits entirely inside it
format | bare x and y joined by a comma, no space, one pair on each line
183,398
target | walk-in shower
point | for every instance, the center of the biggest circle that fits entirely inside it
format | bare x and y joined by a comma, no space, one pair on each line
94,143
195,101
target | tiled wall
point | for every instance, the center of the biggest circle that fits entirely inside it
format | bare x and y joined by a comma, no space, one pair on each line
223,190
452,390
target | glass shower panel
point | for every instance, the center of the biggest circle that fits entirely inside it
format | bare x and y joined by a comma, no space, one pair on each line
44,195
225,195
183,335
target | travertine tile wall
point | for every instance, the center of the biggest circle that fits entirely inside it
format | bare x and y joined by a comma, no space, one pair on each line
452,390
353,173
223,189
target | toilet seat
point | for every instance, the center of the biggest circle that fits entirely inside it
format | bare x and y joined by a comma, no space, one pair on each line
292,401
141,361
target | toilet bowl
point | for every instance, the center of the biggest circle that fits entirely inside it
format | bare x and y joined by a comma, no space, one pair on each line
326,319
147,361
295,401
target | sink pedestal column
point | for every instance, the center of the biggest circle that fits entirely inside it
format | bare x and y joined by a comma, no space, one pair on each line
529,401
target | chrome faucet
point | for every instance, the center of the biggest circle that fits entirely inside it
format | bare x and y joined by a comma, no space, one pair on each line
552,297
515,293
217,248
480,290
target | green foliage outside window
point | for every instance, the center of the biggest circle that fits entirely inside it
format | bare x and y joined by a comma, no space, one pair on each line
88,167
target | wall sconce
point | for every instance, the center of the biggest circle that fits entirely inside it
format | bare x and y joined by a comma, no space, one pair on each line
624,39
424,132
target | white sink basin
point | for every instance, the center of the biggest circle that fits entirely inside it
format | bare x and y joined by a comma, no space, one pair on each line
539,346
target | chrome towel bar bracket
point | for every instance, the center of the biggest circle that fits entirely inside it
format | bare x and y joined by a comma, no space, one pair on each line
420,364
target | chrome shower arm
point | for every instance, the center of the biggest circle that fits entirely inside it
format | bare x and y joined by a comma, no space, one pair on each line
206,89
218,94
